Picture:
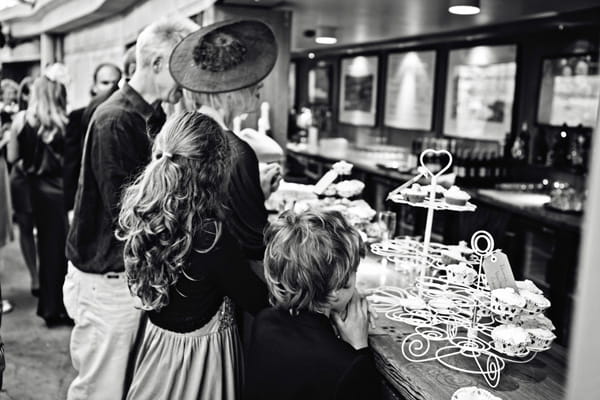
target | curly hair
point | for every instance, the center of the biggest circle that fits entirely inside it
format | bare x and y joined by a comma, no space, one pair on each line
169,206
309,256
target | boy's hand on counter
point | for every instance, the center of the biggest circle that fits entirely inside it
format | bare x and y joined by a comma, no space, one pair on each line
354,329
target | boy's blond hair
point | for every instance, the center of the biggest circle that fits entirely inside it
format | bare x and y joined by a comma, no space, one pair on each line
309,256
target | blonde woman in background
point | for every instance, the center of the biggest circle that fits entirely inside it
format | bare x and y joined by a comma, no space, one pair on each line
39,146
20,190
6,231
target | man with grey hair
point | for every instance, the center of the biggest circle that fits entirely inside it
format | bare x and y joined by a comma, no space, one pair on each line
117,146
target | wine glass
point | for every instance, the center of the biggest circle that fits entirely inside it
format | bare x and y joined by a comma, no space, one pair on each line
387,224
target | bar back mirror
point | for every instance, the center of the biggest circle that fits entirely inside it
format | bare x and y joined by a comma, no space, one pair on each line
569,91
480,92
409,90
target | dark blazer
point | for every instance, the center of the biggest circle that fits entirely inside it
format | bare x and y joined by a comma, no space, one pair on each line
79,120
300,357
72,156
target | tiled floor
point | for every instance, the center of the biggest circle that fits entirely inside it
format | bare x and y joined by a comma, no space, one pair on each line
38,365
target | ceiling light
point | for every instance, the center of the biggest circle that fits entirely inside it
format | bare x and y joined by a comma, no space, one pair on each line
311,55
464,7
325,35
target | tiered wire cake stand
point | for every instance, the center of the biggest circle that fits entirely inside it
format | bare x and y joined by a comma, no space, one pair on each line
453,317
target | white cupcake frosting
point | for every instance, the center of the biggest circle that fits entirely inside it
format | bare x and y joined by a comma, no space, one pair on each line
511,334
541,333
537,299
509,296
529,286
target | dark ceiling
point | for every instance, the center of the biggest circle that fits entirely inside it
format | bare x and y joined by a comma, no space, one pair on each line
360,21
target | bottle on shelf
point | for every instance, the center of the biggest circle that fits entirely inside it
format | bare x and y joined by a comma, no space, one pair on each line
560,151
520,146
540,147
578,150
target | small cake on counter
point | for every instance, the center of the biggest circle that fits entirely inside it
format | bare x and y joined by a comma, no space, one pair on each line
349,188
534,303
507,301
456,197
541,338
510,339
415,194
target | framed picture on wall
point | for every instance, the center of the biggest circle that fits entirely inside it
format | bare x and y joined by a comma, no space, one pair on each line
569,90
409,90
358,90
480,92
319,85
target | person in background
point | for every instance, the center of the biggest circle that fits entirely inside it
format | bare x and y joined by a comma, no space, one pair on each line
106,78
39,145
117,147
129,64
313,343
24,92
8,106
20,189
6,228
223,83
184,265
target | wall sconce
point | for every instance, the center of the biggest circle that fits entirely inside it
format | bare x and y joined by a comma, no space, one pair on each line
464,7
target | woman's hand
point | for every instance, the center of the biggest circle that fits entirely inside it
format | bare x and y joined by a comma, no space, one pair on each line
354,329
270,177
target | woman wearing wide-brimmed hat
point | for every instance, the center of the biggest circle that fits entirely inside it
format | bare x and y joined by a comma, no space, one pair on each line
221,68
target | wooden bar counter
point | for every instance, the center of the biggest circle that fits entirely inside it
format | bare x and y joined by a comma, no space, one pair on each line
543,378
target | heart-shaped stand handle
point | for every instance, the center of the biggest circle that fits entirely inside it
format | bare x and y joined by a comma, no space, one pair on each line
435,153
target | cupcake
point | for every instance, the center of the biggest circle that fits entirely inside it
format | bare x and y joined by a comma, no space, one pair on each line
534,303
541,338
510,339
473,393
461,274
506,301
536,321
529,286
415,194
456,197
439,190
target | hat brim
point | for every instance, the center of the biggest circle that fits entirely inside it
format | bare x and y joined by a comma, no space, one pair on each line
260,57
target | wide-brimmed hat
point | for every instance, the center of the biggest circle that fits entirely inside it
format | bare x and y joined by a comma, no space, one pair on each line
224,56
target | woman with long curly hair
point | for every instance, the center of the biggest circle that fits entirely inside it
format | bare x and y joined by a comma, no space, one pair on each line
38,146
185,266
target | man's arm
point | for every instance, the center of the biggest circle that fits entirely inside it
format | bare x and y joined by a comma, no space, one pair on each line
118,152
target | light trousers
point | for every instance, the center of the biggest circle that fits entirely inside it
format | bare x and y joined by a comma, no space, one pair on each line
106,325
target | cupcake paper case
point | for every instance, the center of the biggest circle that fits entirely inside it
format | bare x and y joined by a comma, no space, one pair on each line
511,340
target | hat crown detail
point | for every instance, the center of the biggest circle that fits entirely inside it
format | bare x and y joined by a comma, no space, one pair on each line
219,51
